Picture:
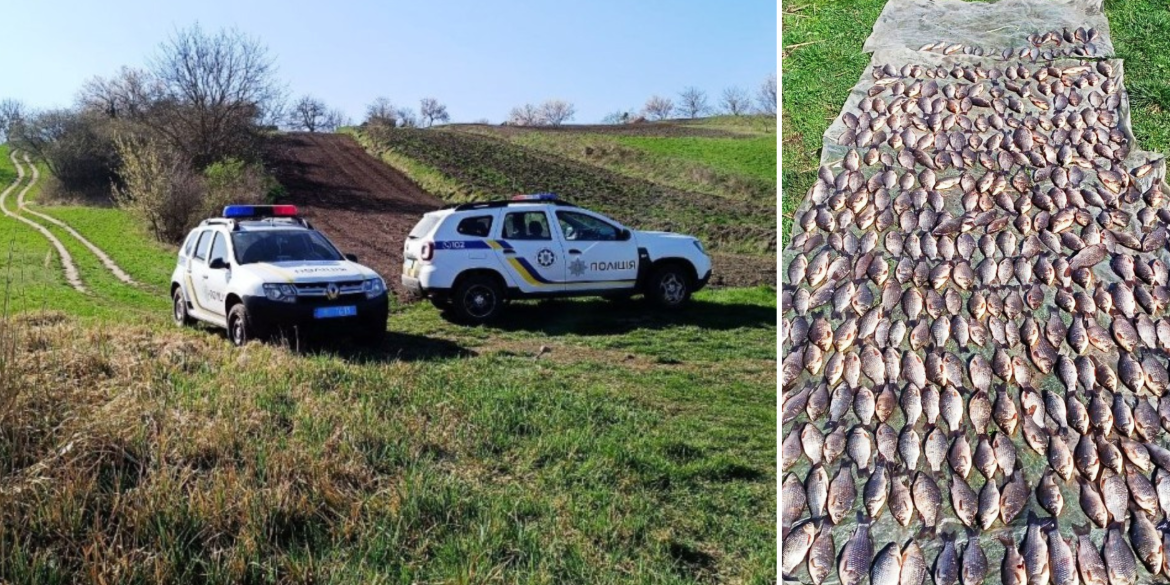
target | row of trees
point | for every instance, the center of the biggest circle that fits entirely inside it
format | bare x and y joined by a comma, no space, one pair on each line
693,102
312,115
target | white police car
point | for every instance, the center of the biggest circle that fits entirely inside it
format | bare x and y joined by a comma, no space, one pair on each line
261,269
471,257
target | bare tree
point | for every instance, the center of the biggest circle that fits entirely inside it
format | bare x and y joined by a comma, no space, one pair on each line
335,119
735,101
215,89
407,118
129,94
12,112
525,115
556,112
382,113
658,108
766,97
308,114
692,102
431,111
619,117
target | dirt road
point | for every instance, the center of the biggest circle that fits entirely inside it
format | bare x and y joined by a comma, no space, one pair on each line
363,205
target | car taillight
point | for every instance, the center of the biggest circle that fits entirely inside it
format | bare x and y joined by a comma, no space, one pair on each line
428,251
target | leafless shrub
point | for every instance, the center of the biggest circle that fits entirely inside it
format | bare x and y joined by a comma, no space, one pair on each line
556,112
766,97
431,111
312,115
12,112
658,108
692,102
381,112
526,115
735,101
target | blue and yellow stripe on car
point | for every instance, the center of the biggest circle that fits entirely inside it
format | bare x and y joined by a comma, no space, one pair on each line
526,270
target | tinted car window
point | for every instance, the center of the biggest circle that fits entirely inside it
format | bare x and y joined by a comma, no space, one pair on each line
478,226
189,247
424,226
218,248
527,225
203,245
586,228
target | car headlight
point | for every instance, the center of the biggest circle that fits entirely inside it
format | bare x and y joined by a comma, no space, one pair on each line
284,293
373,287
699,245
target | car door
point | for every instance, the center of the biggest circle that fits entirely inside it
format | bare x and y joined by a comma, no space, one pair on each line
600,254
216,274
530,253
197,271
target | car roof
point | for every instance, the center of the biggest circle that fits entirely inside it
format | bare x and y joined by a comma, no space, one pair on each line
256,225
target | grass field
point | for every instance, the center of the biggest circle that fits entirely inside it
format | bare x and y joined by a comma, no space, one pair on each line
714,177
574,442
822,60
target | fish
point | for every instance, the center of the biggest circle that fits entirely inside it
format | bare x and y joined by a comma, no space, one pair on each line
984,457
909,447
959,456
927,498
1146,541
1086,459
936,448
1004,412
975,566
818,402
1048,494
1136,453
1115,494
1092,504
793,496
821,555
1141,490
835,443
1061,562
1036,552
911,403
1012,570
914,567
887,566
1005,452
812,440
876,491
1013,497
1162,487
859,446
1090,565
951,406
1120,563
796,546
856,556
946,565
864,405
901,501
885,402
930,403
1059,457
964,501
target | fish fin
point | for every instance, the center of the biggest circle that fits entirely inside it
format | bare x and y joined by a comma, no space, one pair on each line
1080,529
1005,540
926,533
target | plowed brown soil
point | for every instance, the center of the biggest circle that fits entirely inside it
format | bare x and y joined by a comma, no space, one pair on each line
363,205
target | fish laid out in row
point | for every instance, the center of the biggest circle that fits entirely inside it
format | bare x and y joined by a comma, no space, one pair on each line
1080,42
982,269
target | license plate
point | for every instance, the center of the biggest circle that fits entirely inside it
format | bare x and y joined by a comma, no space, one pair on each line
330,312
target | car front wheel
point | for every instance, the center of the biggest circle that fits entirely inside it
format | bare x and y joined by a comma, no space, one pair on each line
669,287
239,329
478,299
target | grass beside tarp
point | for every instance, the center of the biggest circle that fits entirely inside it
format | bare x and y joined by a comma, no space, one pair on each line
822,61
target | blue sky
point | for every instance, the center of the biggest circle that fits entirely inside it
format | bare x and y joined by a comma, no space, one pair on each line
480,58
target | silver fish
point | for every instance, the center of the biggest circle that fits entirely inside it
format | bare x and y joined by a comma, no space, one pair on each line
1036,553
989,498
914,567
1013,497
1146,540
975,566
1092,504
1089,562
928,498
887,566
1012,570
856,557
1120,563
877,491
1060,560
812,440
909,447
792,494
901,501
821,555
842,494
946,565
796,546
1048,494
964,501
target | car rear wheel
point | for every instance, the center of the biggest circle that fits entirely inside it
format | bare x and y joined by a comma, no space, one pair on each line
180,314
478,299
669,287
240,331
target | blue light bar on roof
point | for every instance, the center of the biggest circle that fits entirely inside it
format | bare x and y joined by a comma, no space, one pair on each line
536,197
242,211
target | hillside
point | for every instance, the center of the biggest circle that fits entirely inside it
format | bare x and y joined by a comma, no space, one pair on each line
715,177
572,442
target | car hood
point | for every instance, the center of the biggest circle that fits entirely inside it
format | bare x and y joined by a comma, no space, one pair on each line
663,236
303,272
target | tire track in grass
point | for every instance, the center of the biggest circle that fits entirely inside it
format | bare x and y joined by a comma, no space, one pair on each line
105,258
71,274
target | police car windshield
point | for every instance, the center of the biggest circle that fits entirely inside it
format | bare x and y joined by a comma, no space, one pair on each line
282,246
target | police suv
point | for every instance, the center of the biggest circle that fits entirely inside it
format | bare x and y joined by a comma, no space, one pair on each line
262,269
470,258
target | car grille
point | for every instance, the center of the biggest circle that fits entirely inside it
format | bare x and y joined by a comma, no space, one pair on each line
314,294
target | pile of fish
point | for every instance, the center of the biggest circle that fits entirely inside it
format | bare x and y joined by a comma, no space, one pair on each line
1041,46
975,334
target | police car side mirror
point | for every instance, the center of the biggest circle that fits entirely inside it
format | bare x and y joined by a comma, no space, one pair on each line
351,257
217,264
625,235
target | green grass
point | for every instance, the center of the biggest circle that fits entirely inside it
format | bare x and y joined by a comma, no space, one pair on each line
751,157
638,446
822,61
